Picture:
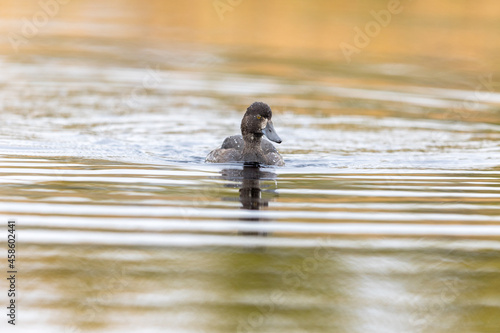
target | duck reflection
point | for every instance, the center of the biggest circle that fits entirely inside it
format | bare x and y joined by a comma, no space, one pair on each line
252,181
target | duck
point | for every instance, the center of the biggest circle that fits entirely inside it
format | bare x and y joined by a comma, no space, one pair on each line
250,146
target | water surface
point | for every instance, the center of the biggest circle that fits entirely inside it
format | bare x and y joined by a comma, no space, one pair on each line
384,219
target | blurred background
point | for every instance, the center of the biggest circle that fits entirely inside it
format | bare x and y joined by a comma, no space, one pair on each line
457,36
384,219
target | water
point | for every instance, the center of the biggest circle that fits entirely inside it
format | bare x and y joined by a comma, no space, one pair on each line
384,219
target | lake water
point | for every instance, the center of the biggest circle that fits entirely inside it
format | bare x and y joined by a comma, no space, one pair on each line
385,218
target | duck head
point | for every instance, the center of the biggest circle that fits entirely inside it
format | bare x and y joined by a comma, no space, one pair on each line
257,122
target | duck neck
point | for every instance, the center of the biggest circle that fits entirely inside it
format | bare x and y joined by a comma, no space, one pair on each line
252,144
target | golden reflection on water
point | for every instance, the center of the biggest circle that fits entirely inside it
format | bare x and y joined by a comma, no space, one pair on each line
448,32
267,289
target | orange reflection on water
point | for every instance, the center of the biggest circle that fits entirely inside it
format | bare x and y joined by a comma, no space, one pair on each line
449,30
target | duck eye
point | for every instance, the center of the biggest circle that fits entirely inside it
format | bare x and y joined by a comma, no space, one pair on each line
258,116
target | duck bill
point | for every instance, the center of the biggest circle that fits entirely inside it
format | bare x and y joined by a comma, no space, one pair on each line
270,132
